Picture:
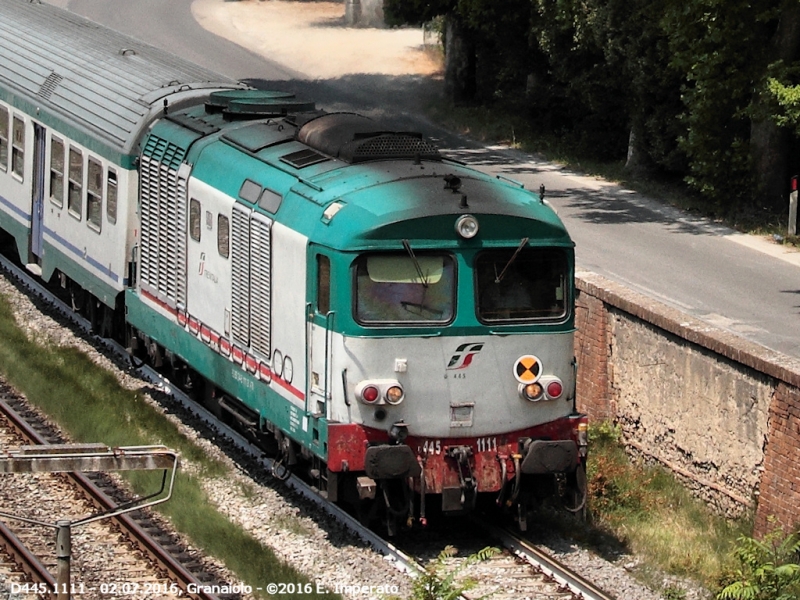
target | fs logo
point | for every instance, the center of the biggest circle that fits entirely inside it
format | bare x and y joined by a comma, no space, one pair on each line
202,266
463,356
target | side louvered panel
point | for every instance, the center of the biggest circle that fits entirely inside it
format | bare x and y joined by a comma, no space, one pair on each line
163,212
240,272
149,214
260,248
181,234
166,202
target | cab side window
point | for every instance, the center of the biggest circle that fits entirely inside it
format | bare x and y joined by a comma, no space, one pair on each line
323,284
194,219
223,235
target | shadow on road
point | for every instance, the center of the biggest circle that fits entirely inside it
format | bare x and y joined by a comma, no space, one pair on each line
400,102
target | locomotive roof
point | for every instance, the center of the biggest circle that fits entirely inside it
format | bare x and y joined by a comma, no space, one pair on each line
101,83
348,183
364,205
395,200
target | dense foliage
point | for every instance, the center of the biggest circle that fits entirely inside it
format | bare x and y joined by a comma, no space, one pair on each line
674,86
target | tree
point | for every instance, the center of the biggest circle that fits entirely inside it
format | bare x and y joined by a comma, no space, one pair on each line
679,86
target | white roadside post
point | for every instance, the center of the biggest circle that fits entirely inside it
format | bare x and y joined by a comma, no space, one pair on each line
793,207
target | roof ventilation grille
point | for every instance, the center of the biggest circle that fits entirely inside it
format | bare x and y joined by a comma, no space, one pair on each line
50,84
390,145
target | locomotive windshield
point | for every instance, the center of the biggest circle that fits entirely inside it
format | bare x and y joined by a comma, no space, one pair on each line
521,284
404,288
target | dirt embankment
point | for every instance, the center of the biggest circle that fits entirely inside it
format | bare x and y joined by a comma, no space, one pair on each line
312,38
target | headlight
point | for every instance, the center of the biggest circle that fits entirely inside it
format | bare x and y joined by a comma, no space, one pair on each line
467,226
531,391
394,395
546,388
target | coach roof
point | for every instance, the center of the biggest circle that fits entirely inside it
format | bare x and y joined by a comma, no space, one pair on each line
101,82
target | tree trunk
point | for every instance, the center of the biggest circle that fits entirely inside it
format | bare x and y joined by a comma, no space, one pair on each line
459,72
638,163
769,144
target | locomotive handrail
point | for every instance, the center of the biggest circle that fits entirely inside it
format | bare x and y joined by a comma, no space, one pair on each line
309,337
328,333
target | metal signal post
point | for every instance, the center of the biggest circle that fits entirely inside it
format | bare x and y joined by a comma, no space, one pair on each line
60,458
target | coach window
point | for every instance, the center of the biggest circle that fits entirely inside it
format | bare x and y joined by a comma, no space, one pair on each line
94,195
3,138
18,148
57,172
194,219
75,189
111,196
223,235
323,284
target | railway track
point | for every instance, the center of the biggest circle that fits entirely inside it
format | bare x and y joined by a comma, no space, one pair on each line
520,571
168,569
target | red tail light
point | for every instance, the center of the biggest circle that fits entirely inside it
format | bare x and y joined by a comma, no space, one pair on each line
555,389
370,394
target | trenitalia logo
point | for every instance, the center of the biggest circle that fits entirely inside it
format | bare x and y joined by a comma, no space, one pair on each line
463,356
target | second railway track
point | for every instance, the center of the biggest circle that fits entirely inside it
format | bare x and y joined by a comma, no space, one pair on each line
130,555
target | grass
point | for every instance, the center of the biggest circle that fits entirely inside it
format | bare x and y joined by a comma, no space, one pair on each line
647,511
91,406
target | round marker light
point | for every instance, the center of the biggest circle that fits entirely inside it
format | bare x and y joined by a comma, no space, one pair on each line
467,226
555,389
370,394
394,395
532,391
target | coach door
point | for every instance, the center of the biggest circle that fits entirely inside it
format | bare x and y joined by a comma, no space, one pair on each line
37,203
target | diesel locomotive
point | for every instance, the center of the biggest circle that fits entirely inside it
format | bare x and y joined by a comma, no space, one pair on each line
388,322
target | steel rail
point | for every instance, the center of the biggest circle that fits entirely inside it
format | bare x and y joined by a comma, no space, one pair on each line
548,565
29,564
136,534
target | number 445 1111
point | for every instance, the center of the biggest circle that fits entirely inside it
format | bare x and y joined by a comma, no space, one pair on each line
482,445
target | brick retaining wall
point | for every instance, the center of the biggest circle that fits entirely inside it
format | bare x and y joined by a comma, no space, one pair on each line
721,412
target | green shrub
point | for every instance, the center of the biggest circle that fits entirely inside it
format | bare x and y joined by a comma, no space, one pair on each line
768,569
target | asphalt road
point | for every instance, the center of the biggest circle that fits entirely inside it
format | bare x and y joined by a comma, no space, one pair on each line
744,285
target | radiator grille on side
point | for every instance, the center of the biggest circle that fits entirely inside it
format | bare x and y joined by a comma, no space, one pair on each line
260,284
162,266
240,273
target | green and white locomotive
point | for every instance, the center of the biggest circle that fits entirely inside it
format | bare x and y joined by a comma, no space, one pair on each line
393,324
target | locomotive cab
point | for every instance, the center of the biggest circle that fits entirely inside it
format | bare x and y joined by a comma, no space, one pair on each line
457,368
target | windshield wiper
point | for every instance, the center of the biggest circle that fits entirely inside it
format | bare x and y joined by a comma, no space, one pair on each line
499,278
422,277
